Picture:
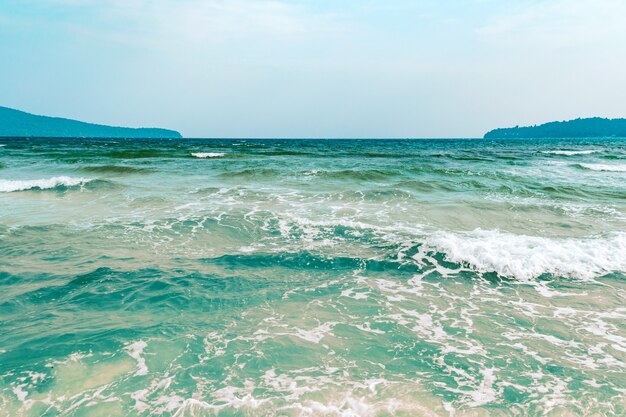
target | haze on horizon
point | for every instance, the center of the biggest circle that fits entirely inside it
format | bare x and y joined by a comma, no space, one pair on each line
305,68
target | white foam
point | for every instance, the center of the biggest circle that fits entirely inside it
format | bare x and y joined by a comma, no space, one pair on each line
316,334
20,393
570,153
527,257
485,392
134,351
190,406
604,167
208,154
8,186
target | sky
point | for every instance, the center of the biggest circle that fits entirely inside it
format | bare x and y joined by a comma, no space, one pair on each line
315,68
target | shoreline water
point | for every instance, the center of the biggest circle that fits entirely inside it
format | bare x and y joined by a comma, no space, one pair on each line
313,277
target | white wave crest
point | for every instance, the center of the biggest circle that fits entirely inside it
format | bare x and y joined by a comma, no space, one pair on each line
571,153
208,154
8,186
604,167
526,257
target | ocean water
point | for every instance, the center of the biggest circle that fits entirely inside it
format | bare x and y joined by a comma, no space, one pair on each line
312,278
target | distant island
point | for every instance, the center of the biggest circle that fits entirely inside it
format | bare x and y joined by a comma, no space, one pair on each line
580,128
16,123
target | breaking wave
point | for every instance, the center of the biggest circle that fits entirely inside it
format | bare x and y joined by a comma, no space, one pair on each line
603,167
208,154
570,153
527,257
8,186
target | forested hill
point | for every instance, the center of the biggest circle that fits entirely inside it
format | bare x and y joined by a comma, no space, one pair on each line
16,123
579,128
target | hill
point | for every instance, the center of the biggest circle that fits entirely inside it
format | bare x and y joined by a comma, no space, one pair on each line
579,128
16,123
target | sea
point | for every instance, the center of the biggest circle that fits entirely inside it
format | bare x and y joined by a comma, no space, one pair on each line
188,278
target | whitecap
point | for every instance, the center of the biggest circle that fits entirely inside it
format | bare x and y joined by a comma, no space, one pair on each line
8,186
208,154
570,153
604,167
526,257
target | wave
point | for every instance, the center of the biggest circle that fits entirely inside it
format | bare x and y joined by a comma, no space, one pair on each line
359,175
527,257
8,186
570,153
115,169
139,154
249,173
558,192
208,154
603,167
389,155
289,153
429,186
509,255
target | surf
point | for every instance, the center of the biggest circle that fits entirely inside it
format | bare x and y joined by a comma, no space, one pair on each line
62,182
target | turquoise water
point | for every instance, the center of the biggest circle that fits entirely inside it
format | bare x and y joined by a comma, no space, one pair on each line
304,278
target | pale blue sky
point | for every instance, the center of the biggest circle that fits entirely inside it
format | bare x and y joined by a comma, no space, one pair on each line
315,68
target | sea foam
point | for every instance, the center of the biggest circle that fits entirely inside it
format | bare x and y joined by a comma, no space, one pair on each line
208,154
8,186
527,257
604,167
135,350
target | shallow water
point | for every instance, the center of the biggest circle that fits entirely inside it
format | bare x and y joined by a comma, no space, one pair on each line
341,278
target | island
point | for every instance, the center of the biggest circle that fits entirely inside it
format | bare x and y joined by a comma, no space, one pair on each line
16,123
579,128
